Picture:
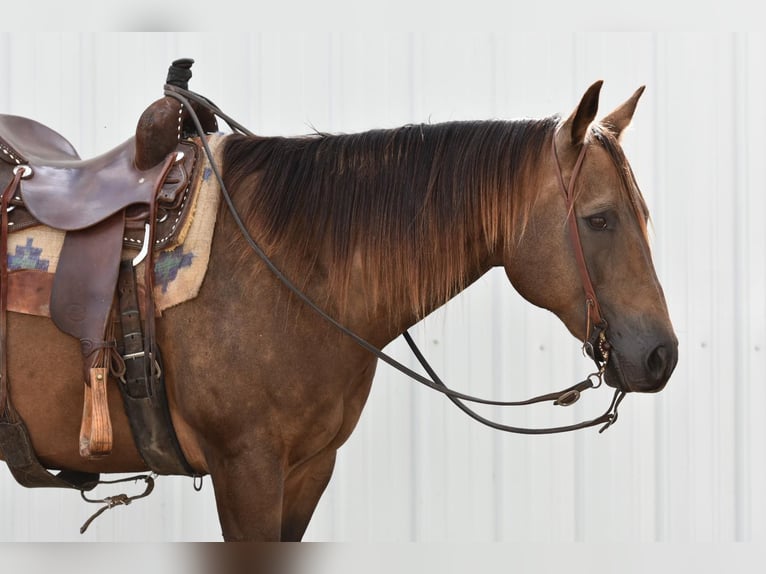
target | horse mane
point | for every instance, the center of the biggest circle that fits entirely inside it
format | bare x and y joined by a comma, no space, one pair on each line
412,208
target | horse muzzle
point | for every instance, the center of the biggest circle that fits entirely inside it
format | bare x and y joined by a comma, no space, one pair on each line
641,364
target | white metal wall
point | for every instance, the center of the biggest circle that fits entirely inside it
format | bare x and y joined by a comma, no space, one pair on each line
682,466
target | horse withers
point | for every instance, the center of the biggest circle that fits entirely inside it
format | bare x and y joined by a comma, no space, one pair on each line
378,229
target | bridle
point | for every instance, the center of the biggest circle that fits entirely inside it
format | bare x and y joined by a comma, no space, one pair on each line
595,345
594,318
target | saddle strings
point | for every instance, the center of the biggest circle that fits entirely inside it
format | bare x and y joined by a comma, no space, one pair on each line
6,410
564,398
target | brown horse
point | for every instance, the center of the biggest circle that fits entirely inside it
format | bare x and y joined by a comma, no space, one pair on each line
378,229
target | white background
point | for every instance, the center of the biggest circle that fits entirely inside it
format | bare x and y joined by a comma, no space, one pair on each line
684,466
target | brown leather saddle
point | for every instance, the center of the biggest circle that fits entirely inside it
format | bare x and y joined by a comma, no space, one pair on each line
132,197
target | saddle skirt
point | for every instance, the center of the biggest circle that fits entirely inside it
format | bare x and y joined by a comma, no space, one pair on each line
180,266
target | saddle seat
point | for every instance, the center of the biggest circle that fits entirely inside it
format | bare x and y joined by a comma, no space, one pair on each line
23,140
72,194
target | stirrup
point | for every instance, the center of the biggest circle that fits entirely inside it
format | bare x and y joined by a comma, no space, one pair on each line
96,428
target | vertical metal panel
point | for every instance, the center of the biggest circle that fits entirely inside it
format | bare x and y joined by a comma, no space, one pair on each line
749,317
680,466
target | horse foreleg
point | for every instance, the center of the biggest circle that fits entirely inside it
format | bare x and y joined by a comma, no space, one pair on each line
248,495
303,488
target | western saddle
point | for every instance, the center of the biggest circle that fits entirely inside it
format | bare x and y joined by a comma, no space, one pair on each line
130,197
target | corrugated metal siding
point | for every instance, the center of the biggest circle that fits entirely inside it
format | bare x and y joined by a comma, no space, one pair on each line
681,466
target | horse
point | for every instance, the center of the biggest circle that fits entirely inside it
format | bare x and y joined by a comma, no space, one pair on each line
376,230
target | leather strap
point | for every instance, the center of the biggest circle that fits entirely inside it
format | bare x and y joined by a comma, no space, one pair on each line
137,368
143,387
19,455
4,200
591,301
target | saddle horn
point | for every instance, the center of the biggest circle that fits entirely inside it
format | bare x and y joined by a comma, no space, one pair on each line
165,121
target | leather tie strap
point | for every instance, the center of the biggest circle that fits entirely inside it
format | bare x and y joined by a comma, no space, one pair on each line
137,362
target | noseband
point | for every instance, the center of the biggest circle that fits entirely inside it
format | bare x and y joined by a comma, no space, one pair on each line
598,349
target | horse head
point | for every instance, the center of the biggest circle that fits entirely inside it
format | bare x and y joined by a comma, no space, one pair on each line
585,253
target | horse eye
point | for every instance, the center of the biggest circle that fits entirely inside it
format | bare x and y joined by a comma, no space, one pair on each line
597,222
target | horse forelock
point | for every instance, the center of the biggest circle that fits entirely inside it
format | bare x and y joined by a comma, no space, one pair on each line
409,211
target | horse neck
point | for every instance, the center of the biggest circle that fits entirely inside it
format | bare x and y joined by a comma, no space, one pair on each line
399,233
379,317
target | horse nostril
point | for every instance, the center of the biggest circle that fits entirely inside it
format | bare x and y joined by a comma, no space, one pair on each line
657,363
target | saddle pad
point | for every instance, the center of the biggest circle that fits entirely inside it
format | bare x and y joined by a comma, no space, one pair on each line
33,253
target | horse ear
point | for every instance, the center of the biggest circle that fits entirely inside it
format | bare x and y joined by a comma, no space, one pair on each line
619,119
577,124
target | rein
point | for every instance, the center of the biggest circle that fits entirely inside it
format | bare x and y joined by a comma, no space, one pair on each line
596,345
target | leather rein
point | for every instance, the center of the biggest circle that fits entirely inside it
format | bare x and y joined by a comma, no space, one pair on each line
595,344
